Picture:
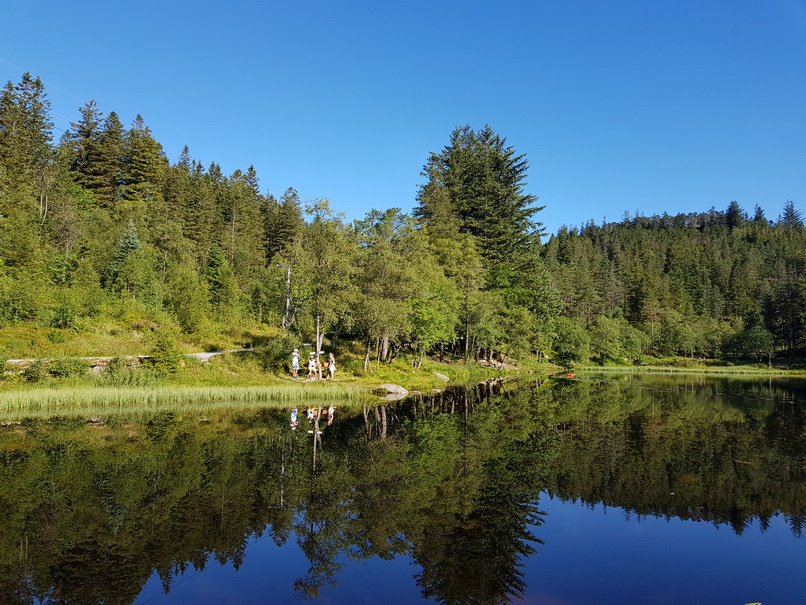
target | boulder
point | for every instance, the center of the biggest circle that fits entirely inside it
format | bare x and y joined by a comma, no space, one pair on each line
392,389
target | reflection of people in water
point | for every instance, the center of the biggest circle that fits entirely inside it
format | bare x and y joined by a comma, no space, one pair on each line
294,419
331,414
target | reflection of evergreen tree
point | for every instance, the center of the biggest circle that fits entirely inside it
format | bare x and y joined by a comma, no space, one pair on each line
474,555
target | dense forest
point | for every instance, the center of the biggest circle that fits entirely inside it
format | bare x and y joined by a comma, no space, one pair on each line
101,227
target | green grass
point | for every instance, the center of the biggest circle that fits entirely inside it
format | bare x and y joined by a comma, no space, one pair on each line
89,401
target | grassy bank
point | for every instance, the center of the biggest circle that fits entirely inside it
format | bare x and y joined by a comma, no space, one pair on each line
100,400
241,379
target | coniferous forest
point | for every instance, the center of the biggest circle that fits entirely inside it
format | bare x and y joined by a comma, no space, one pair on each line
99,228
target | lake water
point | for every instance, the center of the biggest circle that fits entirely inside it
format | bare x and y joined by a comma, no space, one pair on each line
621,489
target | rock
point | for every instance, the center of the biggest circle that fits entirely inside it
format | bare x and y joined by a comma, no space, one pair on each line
393,389
442,376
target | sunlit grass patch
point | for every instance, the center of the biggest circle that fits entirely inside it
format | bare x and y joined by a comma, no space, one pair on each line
77,400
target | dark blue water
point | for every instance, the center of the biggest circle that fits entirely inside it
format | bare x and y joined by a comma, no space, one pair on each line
590,555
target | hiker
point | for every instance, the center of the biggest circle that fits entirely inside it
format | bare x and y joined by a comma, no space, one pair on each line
312,367
331,366
295,363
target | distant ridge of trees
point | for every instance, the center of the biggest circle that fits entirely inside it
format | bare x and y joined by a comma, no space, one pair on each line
716,284
101,225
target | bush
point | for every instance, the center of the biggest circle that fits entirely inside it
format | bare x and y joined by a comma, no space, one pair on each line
56,336
67,367
275,353
166,358
64,315
36,372
120,373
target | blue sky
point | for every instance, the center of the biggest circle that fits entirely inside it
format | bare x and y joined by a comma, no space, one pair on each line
627,105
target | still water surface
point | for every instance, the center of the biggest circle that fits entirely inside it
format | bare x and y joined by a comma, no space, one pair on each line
596,490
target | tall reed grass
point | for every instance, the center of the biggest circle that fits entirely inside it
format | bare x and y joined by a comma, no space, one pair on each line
43,401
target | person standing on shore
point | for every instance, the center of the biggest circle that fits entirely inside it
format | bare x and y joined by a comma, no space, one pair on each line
331,366
312,367
295,363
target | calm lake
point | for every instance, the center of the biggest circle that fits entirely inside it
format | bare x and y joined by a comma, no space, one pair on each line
601,489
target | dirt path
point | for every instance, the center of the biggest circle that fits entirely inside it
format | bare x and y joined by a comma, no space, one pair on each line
103,361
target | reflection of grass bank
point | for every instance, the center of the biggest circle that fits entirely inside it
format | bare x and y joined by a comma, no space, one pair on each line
692,369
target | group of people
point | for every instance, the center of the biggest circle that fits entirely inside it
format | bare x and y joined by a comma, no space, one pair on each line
313,367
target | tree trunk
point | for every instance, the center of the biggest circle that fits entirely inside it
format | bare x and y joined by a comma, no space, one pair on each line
367,364
319,338
384,348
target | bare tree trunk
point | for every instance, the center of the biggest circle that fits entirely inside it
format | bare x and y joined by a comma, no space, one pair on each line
384,348
367,364
319,338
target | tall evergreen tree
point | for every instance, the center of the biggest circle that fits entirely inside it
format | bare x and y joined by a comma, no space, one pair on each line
25,130
484,180
143,174
81,147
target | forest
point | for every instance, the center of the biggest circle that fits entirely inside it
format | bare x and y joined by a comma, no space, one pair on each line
99,230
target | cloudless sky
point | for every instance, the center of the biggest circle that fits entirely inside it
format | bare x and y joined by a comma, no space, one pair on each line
626,105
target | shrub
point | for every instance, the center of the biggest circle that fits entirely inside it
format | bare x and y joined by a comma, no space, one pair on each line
275,353
67,367
56,336
120,373
166,358
36,372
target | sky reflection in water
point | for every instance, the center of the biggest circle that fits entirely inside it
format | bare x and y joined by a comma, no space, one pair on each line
590,555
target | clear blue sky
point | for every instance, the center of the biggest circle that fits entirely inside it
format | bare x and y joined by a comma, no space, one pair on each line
627,105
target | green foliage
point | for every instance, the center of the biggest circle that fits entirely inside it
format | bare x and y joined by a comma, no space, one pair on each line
18,301
165,357
275,353
753,343
101,226
68,367
36,372
571,342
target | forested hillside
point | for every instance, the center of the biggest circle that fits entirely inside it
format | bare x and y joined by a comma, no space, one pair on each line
100,228
716,284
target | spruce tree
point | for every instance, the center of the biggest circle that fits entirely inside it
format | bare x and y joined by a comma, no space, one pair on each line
25,130
484,180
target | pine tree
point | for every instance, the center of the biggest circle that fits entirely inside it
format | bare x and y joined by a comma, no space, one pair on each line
143,174
109,161
484,179
283,221
81,147
25,130
791,219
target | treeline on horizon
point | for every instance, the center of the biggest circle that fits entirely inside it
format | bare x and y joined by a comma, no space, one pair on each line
102,226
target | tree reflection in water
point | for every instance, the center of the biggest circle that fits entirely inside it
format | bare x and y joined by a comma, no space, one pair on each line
89,511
